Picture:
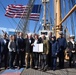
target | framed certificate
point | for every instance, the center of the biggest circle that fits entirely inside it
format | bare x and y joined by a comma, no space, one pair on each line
38,47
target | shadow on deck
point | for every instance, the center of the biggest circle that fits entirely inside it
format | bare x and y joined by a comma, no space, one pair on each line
65,71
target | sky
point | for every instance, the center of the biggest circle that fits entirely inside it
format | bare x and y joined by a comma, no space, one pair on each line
8,23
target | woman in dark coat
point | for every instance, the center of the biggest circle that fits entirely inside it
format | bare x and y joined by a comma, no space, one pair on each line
54,49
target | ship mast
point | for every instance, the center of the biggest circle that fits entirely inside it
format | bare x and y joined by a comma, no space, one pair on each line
57,14
45,26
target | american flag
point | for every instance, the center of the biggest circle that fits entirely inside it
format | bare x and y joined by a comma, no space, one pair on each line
20,11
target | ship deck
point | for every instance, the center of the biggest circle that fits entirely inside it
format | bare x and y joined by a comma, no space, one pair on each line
65,71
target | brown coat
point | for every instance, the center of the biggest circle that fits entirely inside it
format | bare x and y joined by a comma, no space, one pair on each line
45,47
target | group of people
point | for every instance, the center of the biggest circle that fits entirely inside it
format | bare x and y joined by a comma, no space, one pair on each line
17,50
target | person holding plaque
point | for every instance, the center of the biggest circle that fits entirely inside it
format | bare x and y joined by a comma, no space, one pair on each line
36,53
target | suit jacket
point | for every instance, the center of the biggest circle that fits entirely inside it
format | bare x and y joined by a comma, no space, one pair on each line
20,43
28,47
4,45
71,47
62,43
54,48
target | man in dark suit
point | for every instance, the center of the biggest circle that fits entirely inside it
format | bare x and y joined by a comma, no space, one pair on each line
62,46
4,50
20,50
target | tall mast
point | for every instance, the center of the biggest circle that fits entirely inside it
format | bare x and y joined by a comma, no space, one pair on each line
55,15
58,17
44,14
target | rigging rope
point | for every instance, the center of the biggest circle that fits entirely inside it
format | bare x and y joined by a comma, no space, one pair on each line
37,21
25,23
15,1
71,17
4,12
49,14
64,6
65,27
39,28
30,3
73,3
12,18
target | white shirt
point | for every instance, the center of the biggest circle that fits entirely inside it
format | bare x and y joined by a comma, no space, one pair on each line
35,42
4,41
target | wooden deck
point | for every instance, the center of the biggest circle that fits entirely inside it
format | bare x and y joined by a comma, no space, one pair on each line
66,71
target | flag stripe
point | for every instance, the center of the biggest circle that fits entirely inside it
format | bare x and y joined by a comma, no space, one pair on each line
21,14
31,18
10,11
32,14
17,6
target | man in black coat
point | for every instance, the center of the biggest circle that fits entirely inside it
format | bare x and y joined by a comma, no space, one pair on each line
20,50
62,46
4,50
